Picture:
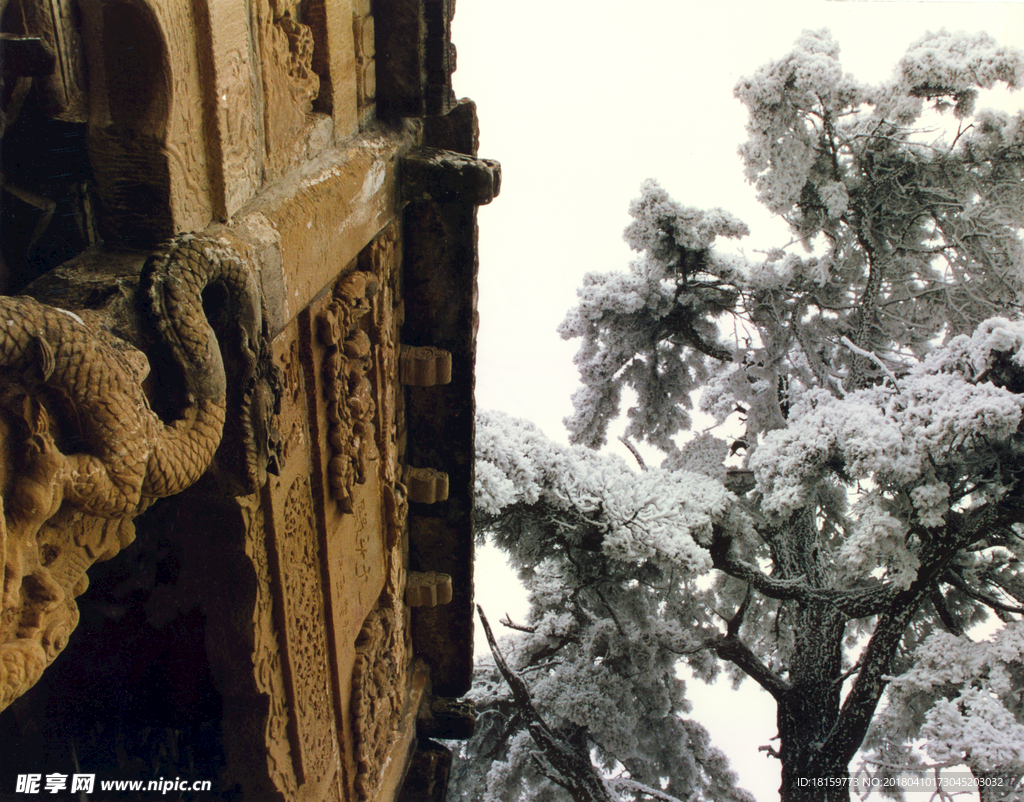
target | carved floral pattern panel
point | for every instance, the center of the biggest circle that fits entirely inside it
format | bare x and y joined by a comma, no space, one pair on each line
380,682
382,259
383,655
350,351
299,596
349,399
269,670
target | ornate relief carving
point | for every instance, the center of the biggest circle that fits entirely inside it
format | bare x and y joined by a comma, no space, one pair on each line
363,35
347,388
425,366
237,125
293,46
416,57
444,176
396,512
269,672
43,43
379,687
81,450
382,258
426,485
293,438
380,676
290,85
306,632
428,589
174,281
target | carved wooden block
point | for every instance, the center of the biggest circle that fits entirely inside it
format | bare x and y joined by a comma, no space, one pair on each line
378,693
383,690
237,132
289,82
427,589
43,40
426,485
27,55
427,777
146,109
382,258
444,176
449,719
425,366
334,60
363,32
267,659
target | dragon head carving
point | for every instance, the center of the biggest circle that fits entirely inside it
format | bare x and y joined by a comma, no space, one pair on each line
82,451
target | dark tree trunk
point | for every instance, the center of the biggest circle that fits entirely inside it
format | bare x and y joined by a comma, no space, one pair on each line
809,710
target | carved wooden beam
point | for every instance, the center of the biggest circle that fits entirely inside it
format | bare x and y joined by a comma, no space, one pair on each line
426,485
424,366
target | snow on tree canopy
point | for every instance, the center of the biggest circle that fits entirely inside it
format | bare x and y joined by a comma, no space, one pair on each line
949,65
673,286
935,419
656,514
865,490
963,699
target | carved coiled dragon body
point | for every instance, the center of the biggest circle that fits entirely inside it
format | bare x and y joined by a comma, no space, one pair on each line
80,430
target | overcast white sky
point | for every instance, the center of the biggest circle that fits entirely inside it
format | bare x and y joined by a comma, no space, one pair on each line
580,101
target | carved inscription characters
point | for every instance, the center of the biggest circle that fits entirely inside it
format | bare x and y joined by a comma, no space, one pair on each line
347,388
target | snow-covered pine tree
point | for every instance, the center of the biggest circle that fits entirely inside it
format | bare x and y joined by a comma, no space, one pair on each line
875,496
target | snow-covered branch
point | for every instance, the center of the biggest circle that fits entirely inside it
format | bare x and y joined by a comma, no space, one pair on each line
575,771
628,786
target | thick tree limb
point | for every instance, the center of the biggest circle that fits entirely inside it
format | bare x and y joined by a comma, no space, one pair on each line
731,648
577,773
858,709
623,784
856,603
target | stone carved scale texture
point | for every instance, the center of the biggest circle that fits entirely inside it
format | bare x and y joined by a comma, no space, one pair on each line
291,123
86,453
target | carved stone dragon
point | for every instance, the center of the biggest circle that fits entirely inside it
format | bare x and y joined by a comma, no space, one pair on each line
82,451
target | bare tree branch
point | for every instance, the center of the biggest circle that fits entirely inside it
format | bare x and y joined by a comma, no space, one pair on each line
623,784
958,582
632,450
578,775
